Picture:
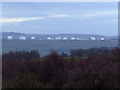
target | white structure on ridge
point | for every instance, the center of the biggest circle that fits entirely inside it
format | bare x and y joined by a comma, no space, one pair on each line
57,38
102,39
9,37
32,38
22,38
64,38
72,38
92,38
78,38
49,38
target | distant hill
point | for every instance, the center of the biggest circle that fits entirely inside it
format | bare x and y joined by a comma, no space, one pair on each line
45,36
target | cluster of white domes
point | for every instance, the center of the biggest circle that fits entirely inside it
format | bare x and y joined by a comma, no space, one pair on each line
56,38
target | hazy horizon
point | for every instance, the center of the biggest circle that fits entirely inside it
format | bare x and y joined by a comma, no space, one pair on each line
61,34
96,18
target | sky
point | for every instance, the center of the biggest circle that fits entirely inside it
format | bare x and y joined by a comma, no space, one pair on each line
61,17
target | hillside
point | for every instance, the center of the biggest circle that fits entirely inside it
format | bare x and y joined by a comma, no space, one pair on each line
45,36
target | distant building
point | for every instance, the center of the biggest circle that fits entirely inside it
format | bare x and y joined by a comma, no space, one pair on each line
72,38
64,38
92,38
58,38
102,39
78,38
32,38
9,37
22,38
49,38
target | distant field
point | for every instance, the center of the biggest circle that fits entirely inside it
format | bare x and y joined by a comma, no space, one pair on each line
44,47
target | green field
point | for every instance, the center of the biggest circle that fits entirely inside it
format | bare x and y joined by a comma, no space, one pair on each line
44,47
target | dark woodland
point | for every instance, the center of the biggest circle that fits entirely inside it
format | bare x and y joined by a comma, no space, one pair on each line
82,68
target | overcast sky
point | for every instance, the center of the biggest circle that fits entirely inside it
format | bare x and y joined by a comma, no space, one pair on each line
61,18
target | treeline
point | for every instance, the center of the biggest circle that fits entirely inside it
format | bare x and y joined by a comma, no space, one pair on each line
29,70
91,52
34,54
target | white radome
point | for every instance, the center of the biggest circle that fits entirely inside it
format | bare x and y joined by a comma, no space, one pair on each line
65,38
92,38
49,38
78,38
102,39
57,38
72,38
22,38
9,37
32,38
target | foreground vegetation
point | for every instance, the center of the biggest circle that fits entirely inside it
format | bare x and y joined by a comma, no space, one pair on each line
23,69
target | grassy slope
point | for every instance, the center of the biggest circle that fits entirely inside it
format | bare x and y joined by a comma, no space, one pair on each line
61,46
